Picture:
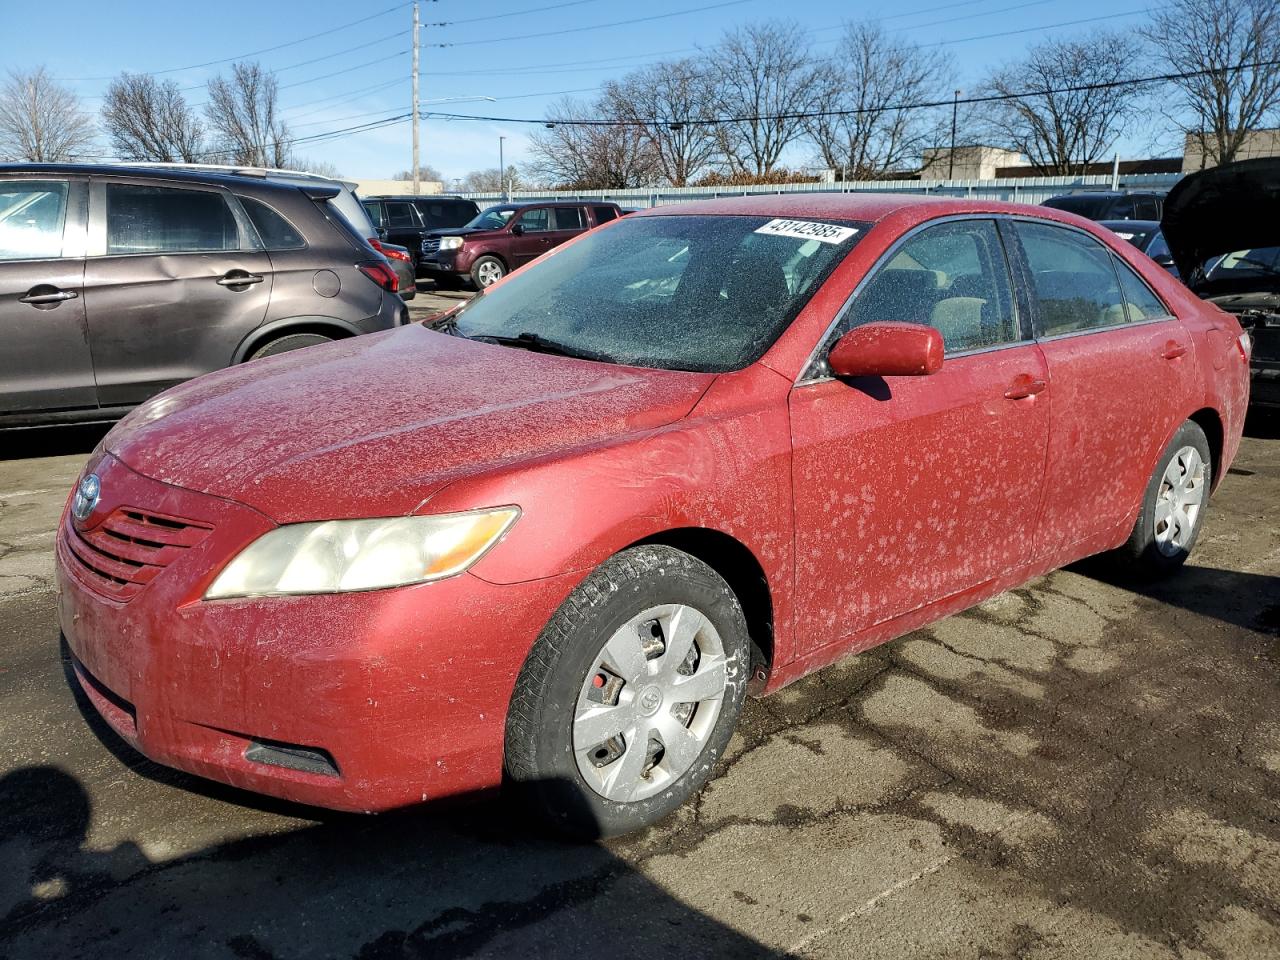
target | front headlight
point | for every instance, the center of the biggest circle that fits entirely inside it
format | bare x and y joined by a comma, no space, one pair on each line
337,556
450,243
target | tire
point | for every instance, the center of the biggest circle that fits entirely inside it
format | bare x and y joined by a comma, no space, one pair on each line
577,668
290,341
487,271
1157,546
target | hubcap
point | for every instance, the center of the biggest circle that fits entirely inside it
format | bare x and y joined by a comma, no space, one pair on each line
489,273
1178,502
649,703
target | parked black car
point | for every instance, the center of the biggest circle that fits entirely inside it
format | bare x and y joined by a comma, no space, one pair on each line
117,282
1223,228
405,219
1147,237
1098,205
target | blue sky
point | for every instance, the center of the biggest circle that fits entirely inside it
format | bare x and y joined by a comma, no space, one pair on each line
361,72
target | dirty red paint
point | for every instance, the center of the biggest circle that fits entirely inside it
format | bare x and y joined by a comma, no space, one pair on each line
870,508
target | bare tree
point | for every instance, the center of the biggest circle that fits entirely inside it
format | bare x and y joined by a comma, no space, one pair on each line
1050,116
41,120
425,173
591,156
493,180
148,119
765,81
242,110
321,168
864,132
666,101
1237,42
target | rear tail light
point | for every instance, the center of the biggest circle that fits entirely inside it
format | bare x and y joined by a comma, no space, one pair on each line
381,274
1245,343
393,254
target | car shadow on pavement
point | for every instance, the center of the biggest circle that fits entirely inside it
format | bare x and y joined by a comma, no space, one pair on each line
465,879
51,441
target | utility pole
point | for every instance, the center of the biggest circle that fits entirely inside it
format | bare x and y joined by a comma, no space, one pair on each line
415,100
502,171
951,154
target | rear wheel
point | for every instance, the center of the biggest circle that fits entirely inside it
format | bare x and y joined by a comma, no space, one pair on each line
487,271
630,694
292,341
1173,506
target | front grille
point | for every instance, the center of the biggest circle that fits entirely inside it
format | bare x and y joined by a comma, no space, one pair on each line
431,245
128,550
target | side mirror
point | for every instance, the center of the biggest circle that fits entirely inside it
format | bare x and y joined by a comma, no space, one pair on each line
887,349
517,230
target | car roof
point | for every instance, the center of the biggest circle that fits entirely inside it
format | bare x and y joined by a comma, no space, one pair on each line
520,204
236,177
870,206
1151,225
415,196
1107,193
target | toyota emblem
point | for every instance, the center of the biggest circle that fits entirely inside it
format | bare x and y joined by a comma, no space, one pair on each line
88,493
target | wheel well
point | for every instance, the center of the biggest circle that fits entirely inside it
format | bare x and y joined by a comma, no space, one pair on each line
1208,420
278,333
741,570
496,256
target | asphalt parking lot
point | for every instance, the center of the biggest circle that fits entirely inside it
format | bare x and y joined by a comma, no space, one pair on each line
1074,769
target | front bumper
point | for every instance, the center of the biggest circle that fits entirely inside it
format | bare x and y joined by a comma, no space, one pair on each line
406,690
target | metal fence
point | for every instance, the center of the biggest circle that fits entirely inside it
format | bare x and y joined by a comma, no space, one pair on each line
1017,190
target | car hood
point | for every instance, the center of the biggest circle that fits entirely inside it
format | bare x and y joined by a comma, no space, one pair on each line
374,425
463,232
1232,207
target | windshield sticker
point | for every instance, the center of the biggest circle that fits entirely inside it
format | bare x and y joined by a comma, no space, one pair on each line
808,230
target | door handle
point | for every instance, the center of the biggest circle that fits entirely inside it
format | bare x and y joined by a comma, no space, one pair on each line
239,280
1173,350
55,297
1024,386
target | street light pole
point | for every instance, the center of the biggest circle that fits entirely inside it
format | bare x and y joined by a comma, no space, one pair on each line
951,154
502,171
415,100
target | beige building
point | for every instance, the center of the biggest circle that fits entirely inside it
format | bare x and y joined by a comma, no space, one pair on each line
977,162
1257,143
375,188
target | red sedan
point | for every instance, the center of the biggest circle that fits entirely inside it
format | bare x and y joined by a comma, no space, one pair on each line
552,541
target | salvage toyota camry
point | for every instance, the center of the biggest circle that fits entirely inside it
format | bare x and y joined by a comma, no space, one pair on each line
550,541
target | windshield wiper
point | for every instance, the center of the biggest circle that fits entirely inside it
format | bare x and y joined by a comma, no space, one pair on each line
540,344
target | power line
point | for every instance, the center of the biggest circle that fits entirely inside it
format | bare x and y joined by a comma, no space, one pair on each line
255,53
514,13
594,26
1047,26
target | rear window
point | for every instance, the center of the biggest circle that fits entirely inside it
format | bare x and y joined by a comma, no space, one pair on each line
276,232
168,220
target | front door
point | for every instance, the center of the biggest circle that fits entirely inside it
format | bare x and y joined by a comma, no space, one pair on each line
912,489
45,362
173,283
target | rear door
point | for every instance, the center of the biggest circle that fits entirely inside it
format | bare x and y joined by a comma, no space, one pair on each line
45,362
174,281
535,236
567,223
1121,374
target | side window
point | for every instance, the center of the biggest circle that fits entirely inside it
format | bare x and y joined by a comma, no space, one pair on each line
535,221
1121,209
1147,208
375,213
604,214
1140,302
952,276
168,220
401,213
276,232
1075,282
570,218
1157,247
32,213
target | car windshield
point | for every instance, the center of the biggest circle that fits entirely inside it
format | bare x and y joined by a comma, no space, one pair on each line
1135,236
707,293
493,218
1261,261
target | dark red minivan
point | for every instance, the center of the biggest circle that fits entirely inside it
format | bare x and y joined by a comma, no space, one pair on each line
505,237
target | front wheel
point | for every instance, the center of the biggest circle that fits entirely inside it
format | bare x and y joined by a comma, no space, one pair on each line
487,271
1173,505
630,694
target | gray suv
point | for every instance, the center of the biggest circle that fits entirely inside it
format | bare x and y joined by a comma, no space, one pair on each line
117,282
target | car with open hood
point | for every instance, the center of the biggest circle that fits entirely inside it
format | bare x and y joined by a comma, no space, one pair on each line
1222,226
549,541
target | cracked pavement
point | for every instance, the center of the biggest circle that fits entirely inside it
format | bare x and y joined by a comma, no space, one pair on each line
1077,768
